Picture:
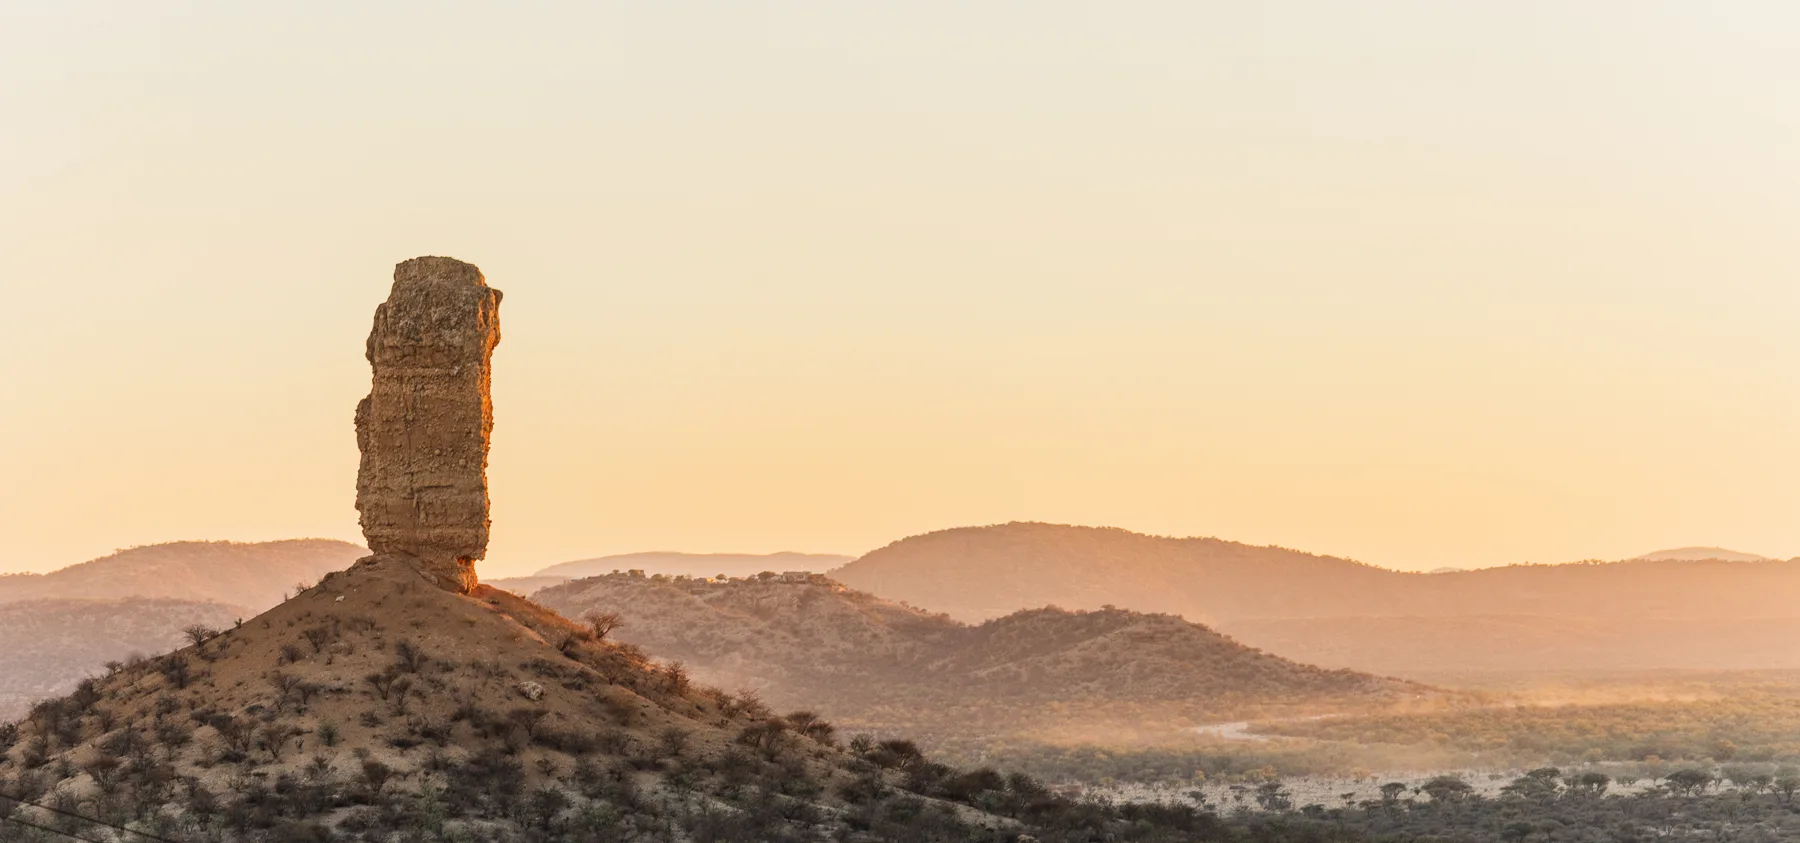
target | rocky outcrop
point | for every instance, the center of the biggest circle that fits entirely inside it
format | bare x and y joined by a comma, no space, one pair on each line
423,430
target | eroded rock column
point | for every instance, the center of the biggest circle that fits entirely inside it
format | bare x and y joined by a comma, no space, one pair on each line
423,430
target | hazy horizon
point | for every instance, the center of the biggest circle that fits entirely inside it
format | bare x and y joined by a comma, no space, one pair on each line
1417,284
518,568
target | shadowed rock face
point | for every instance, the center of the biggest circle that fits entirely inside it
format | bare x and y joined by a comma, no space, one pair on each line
423,430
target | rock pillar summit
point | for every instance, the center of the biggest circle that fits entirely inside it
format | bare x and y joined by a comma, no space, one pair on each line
423,430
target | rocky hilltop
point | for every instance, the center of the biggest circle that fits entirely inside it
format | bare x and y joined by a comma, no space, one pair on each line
376,684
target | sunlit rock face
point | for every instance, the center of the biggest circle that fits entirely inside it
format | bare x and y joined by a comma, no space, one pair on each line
423,430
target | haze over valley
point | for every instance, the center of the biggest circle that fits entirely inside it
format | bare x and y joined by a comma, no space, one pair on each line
1006,630
1135,667
929,422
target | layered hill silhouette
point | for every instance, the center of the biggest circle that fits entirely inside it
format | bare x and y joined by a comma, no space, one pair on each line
1332,611
51,644
250,576
67,624
883,665
379,704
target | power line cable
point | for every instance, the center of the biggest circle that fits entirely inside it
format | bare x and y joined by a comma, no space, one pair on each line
17,821
7,797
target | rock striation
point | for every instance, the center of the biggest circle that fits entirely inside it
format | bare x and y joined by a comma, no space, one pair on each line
422,487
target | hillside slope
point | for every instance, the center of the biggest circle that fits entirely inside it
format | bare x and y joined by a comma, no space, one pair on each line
882,665
766,633
697,564
525,586
250,576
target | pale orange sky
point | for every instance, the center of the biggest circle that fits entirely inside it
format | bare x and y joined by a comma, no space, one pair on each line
1418,283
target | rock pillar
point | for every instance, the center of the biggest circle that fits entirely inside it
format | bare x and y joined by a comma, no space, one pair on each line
423,430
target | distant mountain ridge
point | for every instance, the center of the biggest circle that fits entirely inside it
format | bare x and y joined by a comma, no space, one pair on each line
976,573
58,627
250,575
1731,613
1697,554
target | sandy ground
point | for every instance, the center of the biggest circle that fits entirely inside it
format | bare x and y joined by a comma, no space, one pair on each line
1240,730
1327,791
